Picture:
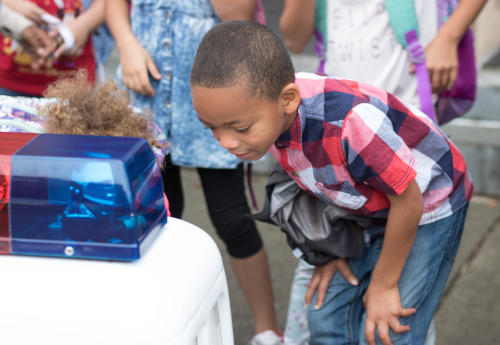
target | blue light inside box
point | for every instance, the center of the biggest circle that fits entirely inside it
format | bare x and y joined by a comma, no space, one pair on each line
85,196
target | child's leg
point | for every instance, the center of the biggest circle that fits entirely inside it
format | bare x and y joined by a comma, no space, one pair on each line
296,330
224,191
172,187
339,319
424,276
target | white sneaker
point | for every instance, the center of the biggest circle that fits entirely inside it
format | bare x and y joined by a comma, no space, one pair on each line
268,337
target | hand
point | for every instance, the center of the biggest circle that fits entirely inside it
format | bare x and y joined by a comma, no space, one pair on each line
81,35
442,63
383,310
322,276
441,59
38,43
27,9
137,64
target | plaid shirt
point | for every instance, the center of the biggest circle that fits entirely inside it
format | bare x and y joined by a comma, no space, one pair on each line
352,144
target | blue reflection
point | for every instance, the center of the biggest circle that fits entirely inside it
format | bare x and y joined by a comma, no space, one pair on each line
101,195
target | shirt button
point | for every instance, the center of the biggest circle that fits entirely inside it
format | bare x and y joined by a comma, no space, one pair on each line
167,43
168,105
168,75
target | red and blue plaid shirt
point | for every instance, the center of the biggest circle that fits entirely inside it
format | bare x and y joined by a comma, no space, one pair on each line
353,144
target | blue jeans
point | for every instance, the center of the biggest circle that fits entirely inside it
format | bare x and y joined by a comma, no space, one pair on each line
341,319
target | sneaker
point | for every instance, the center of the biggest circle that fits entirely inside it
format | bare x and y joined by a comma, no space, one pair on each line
268,337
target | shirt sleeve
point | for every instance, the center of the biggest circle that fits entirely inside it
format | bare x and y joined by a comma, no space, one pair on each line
376,155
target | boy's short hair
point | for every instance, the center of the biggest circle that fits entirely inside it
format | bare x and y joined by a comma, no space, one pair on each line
243,53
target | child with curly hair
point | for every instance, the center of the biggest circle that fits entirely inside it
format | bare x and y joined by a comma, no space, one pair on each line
73,106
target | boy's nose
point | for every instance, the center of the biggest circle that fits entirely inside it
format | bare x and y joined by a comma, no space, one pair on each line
227,141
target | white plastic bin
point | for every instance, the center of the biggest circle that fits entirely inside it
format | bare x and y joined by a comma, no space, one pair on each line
175,294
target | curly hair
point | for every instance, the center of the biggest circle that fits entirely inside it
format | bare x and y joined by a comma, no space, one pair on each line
82,109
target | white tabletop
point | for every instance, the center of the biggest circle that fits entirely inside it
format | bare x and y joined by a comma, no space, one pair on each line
164,296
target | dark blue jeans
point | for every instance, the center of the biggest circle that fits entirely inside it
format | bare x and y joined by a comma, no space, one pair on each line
341,319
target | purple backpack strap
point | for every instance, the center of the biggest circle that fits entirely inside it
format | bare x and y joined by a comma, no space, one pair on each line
259,15
319,49
424,89
457,101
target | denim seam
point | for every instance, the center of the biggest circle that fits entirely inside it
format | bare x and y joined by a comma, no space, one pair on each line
442,257
362,288
350,323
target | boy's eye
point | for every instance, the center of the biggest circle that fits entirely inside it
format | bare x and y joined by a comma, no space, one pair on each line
242,130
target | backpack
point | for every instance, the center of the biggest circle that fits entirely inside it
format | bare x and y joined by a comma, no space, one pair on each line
404,23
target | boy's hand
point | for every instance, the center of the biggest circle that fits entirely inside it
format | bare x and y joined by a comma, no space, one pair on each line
322,276
137,64
383,310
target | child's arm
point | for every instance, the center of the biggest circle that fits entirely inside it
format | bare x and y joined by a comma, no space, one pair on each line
38,44
81,27
382,300
234,9
136,62
26,8
441,52
297,23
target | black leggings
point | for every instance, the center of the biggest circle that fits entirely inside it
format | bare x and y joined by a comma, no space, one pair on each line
224,191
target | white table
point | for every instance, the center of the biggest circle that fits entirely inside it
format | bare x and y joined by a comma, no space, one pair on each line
175,294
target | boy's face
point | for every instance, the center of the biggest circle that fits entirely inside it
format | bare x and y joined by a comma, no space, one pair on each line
245,125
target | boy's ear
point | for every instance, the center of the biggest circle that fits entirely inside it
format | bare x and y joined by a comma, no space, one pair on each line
290,98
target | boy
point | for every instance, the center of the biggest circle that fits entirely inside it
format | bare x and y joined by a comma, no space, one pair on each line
354,146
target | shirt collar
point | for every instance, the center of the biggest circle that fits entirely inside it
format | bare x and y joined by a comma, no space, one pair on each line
292,137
